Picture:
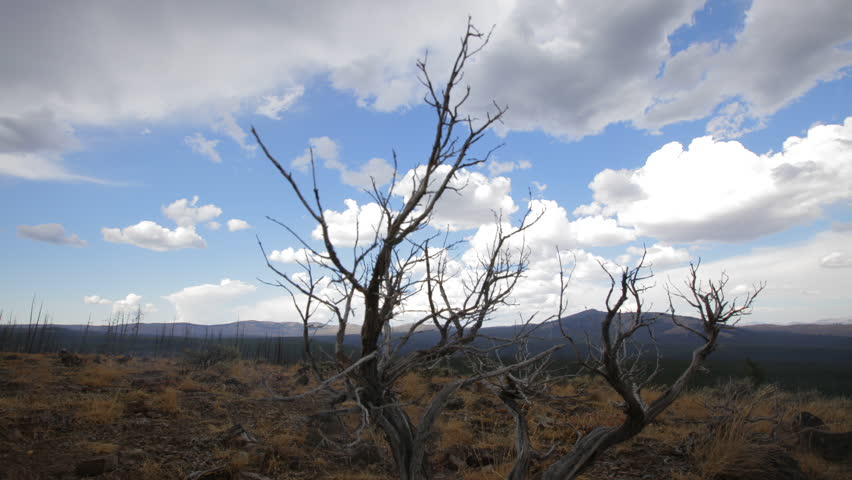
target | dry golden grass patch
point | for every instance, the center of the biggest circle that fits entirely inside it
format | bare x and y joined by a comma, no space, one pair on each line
491,472
103,375
167,401
412,387
99,409
187,384
815,466
34,371
454,431
151,470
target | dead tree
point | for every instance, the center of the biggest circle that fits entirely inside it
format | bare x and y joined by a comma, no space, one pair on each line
396,261
618,360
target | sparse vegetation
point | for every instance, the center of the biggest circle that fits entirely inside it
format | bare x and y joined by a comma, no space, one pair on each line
157,430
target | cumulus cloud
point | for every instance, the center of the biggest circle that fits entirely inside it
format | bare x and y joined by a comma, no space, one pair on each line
324,149
553,229
593,65
717,190
327,153
185,213
273,105
208,303
235,225
128,305
31,144
96,300
50,233
782,52
357,224
375,170
496,167
202,146
836,260
228,125
472,200
150,235
291,255
659,256
132,303
798,287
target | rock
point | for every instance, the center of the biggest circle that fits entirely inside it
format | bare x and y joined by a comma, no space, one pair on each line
134,455
236,386
832,446
455,404
484,404
69,359
807,420
454,462
96,466
778,465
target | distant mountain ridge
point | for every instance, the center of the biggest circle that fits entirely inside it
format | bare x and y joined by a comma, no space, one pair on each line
577,325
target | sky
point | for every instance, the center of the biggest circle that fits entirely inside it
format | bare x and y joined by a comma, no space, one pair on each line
717,130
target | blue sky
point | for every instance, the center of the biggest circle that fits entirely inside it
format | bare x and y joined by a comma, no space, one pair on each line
719,130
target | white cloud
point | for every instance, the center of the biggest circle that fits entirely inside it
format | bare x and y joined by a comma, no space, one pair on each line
228,125
473,199
235,225
798,287
276,309
150,235
185,213
496,167
214,225
660,256
324,149
208,303
96,300
37,166
50,233
291,255
783,51
721,191
836,260
357,224
376,170
128,305
272,105
553,229
569,68
201,145
327,152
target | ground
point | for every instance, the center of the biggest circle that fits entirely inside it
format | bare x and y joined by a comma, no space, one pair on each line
141,418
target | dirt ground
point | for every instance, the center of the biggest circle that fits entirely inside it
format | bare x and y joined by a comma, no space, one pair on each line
139,418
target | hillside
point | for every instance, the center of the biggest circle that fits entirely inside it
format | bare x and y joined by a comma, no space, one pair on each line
152,419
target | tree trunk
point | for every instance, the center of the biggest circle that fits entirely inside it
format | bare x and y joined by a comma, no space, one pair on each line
589,447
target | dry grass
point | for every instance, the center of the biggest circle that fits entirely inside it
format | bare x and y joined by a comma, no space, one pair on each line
455,431
167,401
482,430
104,375
151,470
100,409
